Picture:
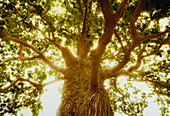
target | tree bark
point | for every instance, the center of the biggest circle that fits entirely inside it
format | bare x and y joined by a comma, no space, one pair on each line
78,99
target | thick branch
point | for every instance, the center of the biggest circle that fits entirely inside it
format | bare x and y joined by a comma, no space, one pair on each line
110,22
121,9
68,56
111,72
32,83
81,42
96,54
50,64
134,18
82,48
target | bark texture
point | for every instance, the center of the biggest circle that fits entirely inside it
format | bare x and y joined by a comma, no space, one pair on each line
78,99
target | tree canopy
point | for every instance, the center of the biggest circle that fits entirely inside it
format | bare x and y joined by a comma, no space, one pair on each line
121,37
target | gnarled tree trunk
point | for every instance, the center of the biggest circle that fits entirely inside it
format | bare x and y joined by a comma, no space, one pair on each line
78,99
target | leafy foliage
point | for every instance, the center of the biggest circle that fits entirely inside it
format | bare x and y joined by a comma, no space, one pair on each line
35,21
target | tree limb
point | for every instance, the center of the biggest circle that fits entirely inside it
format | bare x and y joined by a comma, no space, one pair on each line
112,71
82,48
139,60
121,9
96,54
32,83
126,73
157,49
68,57
152,36
81,42
50,64
134,18
117,90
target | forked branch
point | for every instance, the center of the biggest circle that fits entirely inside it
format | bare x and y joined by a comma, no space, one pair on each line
82,48
81,42
139,60
96,54
22,58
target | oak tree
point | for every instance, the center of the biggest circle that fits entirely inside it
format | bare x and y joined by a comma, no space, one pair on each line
84,42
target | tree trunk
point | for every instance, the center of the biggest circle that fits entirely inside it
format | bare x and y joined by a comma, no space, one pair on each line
78,99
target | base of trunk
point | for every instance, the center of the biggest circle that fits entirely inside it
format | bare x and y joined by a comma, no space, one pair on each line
77,97
97,104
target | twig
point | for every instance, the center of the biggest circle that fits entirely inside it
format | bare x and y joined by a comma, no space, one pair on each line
119,40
